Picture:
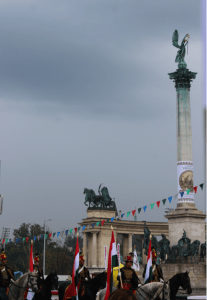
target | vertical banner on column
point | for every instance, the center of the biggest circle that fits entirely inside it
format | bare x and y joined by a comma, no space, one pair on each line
185,180
118,253
105,257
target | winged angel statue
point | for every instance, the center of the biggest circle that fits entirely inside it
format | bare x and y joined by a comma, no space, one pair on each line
181,53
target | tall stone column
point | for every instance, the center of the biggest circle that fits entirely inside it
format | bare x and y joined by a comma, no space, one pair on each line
85,248
186,216
94,250
130,243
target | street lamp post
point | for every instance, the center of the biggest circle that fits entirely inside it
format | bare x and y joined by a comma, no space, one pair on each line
44,247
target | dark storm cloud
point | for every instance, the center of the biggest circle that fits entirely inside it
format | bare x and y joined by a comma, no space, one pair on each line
89,55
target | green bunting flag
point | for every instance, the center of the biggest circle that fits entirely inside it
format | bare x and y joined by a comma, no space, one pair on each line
6,241
152,205
98,223
163,201
128,214
23,239
201,186
139,210
71,230
79,228
107,220
188,191
45,236
54,233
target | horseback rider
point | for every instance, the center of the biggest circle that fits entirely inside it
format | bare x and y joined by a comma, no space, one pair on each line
129,279
39,271
6,276
157,275
83,275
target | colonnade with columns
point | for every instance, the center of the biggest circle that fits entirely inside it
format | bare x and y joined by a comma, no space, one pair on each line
95,239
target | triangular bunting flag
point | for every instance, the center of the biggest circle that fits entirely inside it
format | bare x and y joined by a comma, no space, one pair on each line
152,205
158,203
122,215
93,225
107,220
45,236
27,239
23,239
6,241
163,201
58,233
77,229
42,236
201,186
34,238
128,214
133,212
139,210
66,232
181,194
98,223
195,189
112,219
53,235
83,227
9,240
145,207
50,234
170,199
188,191
102,222
71,230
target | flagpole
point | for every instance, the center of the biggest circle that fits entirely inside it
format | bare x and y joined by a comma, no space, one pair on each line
118,268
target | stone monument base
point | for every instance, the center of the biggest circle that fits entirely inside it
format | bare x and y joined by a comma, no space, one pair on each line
186,217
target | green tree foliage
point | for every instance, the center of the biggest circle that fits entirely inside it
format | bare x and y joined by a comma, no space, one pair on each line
57,257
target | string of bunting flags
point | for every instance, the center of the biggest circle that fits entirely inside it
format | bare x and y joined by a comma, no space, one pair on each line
75,230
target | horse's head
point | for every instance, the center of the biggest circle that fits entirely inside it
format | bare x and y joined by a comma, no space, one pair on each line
85,191
54,280
185,282
166,291
103,280
33,281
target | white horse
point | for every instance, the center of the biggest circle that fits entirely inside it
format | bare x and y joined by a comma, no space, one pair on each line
149,291
18,287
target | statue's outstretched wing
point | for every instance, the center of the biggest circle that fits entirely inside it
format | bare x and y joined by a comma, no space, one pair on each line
175,39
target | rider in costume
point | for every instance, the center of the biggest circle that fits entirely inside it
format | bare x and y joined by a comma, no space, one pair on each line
157,275
129,278
6,275
83,275
39,271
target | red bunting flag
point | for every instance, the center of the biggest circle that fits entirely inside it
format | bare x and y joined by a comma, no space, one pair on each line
158,203
102,222
50,234
133,212
195,189
3,241
27,239
75,230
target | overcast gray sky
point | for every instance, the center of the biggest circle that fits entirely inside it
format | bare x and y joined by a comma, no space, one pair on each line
86,99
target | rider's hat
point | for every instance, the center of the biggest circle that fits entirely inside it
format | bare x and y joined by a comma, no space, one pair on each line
3,255
36,259
81,257
154,254
128,258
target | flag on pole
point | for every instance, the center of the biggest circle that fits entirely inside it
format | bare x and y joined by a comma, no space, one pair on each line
135,261
75,271
31,267
112,263
148,273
